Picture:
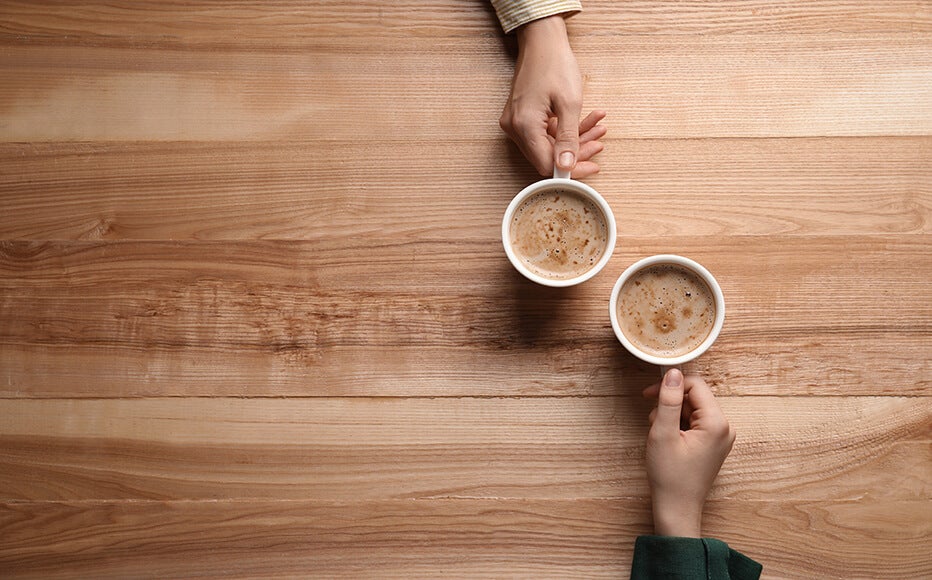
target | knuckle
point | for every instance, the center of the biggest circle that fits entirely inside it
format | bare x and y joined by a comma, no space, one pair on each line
567,137
569,111
720,429
571,98
523,123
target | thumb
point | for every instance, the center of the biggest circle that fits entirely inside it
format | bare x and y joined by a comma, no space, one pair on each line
670,405
566,145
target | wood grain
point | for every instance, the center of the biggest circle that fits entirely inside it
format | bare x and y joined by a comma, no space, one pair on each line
256,321
365,317
347,449
275,191
294,23
461,538
761,86
738,17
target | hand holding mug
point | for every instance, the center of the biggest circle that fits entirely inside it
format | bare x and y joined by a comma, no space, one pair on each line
683,464
543,110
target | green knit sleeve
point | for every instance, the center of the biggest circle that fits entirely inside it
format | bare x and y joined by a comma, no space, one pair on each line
673,558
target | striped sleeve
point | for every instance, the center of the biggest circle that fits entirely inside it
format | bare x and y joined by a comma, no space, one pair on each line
514,13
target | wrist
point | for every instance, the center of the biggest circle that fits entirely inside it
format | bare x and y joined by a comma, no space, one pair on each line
683,521
545,29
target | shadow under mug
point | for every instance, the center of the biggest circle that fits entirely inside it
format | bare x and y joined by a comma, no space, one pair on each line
562,180
666,363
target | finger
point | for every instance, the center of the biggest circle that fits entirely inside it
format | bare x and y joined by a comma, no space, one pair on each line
652,391
588,124
589,150
531,154
536,148
686,415
591,120
566,145
584,169
699,395
537,151
706,412
593,134
505,120
529,132
669,405
689,381
652,417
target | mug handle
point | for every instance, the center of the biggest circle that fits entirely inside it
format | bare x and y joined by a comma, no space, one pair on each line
559,173
665,368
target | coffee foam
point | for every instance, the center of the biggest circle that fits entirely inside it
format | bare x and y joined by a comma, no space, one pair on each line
559,234
666,310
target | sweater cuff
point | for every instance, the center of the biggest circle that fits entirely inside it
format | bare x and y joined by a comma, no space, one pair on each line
689,558
514,13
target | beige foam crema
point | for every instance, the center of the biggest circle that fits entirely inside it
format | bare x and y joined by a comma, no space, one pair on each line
559,234
666,310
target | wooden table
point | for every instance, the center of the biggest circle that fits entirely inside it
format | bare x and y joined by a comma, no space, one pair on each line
256,320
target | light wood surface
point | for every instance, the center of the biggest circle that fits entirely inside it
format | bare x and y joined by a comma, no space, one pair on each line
255,319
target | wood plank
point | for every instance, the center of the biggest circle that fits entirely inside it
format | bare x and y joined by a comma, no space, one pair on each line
432,538
294,23
375,317
716,86
297,369
861,538
812,448
270,190
310,539
767,86
742,17
258,26
798,366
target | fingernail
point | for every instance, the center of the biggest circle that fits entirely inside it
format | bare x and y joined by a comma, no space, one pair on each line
567,159
673,378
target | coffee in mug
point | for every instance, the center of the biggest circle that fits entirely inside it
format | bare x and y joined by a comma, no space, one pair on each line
558,232
667,309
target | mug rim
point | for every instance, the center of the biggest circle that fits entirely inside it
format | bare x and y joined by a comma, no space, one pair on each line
581,188
698,269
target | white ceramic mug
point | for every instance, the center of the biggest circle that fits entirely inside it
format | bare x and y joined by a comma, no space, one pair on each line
561,180
705,275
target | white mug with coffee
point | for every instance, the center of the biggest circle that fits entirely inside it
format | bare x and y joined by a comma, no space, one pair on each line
667,310
558,232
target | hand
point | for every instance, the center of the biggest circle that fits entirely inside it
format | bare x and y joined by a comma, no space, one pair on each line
542,113
681,465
